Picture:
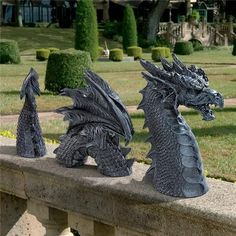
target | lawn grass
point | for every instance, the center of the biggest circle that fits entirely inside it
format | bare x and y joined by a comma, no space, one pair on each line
124,77
216,139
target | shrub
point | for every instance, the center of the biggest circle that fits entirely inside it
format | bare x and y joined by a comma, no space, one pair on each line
53,49
111,29
9,52
234,48
183,48
167,52
42,54
86,32
158,52
162,42
116,54
65,69
100,51
197,45
134,51
129,28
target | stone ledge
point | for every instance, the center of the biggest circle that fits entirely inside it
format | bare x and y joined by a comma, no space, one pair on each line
129,202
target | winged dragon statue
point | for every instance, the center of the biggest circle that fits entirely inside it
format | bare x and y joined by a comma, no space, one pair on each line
97,119
176,168
29,142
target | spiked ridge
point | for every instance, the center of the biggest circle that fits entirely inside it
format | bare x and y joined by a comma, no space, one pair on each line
96,120
176,168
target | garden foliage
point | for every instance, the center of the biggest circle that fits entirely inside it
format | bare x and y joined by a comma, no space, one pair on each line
234,48
135,51
42,54
183,48
129,26
116,54
9,52
159,52
86,30
65,69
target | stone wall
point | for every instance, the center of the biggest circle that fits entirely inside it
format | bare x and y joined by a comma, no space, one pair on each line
40,197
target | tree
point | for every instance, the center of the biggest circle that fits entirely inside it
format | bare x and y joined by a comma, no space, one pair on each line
86,32
129,28
155,17
18,14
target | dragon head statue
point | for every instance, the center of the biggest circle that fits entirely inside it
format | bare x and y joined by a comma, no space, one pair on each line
190,84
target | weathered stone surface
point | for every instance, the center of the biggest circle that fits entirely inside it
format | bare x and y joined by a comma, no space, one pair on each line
127,202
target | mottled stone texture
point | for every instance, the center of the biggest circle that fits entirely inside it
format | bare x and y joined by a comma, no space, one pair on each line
127,206
176,168
30,142
97,119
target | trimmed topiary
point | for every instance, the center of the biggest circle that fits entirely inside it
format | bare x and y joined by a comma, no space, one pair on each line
53,49
116,54
183,48
135,51
158,52
100,51
234,48
129,26
167,52
86,32
9,52
65,69
42,54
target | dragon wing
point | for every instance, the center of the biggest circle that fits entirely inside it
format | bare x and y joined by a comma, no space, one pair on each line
30,84
101,103
113,101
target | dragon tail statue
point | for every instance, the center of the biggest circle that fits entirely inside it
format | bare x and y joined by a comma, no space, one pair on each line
97,119
29,141
176,168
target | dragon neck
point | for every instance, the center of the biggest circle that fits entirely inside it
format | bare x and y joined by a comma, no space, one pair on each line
176,162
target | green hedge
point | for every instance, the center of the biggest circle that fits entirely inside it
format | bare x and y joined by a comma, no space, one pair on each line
53,49
158,52
9,52
167,52
100,51
86,30
42,54
65,69
234,48
135,51
130,36
116,54
183,48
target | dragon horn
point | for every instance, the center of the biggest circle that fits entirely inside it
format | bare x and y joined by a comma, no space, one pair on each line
166,65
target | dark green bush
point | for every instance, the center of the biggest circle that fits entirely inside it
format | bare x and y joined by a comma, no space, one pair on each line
116,54
158,52
234,48
135,51
197,45
112,28
86,32
144,43
129,26
65,69
100,51
162,42
42,54
9,52
183,48
53,49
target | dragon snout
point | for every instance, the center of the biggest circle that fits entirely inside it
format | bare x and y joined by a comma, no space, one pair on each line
218,100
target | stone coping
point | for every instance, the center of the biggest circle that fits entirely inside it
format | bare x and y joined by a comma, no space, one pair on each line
45,180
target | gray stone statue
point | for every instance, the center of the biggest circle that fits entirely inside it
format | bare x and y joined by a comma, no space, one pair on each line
176,168
29,142
96,120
